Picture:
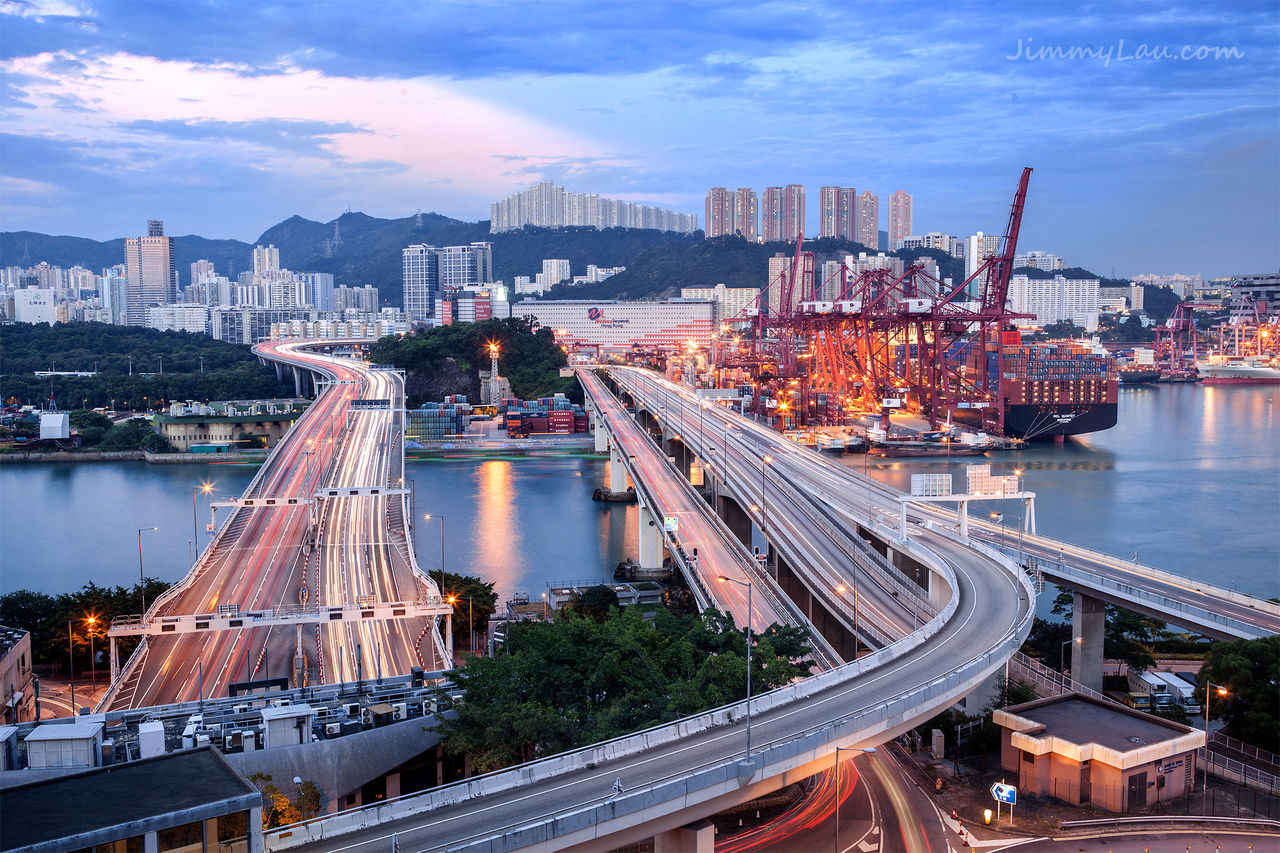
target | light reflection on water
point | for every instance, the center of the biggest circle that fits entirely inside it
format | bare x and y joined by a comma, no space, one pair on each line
1190,479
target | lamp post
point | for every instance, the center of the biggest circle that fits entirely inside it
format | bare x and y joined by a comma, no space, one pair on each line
764,497
839,749
1022,523
998,518
203,488
471,634
1208,694
1062,660
142,581
747,584
428,517
93,664
71,671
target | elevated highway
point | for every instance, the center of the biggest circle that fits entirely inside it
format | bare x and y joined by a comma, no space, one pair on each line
306,553
674,774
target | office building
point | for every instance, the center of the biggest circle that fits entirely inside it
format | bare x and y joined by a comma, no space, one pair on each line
150,272
899,219
868,216
1038,260
837,209
421,270
618,326
1055,300
547,205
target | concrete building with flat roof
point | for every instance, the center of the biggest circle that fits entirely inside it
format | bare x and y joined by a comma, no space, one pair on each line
1085,751
192,800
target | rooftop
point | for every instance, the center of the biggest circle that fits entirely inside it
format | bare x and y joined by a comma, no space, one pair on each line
94,800
1081,720
9,637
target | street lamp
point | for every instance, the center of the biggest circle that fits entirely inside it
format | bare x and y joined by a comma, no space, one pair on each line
142,582
747,584
839,749
428,517
1062,659
92,620
71,673
764,495
1208,694
471,634
203,488
998,518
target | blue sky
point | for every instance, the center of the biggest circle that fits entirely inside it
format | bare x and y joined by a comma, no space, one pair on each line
1153,128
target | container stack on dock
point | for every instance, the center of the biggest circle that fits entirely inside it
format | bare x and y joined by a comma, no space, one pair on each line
437,421
544,416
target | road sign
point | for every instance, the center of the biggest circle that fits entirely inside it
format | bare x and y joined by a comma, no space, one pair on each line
670,523
1003,793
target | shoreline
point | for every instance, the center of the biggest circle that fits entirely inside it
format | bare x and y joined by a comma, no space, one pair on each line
131,456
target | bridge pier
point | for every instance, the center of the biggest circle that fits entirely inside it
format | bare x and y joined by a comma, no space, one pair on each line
617,471
697,837
1088,621
735,518
601,434
649,538
114,660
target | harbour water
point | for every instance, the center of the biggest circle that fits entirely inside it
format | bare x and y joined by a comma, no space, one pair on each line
1190,480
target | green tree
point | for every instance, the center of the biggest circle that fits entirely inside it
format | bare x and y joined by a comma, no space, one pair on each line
483,604
594,602
1127,635
1249,670
576,681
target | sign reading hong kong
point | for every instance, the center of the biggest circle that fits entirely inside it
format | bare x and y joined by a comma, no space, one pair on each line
595,315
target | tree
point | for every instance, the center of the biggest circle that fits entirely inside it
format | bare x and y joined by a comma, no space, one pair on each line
593,602
1250,672
250,441
483,603
1127,635
281,809
558,685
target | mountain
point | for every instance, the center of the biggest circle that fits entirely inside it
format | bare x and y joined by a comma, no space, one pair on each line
359,249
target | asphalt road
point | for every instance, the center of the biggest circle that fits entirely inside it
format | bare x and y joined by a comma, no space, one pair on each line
262,558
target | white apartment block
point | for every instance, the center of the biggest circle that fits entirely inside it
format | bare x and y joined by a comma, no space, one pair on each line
35,305
1055,300
179,318
953,246
978,248
1038,260
732,303
550,206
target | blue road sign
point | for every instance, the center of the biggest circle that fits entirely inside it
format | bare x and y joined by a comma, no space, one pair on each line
1004,793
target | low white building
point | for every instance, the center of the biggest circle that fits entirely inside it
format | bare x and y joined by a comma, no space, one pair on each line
731,302
179,318
35,305
617,326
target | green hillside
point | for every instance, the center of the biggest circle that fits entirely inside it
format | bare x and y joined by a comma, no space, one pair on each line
27,248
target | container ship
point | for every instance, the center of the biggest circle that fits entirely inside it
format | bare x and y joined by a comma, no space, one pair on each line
1052,390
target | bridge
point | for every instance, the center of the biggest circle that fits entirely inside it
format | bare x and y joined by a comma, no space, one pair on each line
313,569
895,653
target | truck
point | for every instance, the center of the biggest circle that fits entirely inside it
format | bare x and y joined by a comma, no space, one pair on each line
1151,683
1183,692
1138,701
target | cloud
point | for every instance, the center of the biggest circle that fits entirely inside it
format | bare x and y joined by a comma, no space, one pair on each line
42,9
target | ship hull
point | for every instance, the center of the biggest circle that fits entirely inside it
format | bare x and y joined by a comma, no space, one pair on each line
1241,380
1034,421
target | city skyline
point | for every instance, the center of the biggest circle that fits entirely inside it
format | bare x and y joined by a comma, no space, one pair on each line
115,115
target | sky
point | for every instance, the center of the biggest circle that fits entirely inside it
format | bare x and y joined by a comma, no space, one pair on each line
1153,128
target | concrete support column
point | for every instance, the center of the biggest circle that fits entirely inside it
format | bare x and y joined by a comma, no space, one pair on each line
649,538
1088,619
151,843
279,371
601,434
617,472
297,381
695,838
448,638
211,835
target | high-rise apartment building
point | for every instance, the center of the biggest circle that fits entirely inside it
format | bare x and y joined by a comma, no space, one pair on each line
427,270
201,270
772,212
978,248
793,221
899,219
868,216
421,270
265,259
550,206
746,213
1039,260
554,271
837,207
150,273
718,215
781,270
